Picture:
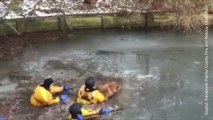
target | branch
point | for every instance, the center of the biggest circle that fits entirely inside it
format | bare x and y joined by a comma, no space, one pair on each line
14,29
64,14
3,20
32,11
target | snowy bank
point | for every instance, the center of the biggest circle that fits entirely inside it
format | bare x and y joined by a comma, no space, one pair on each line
42,8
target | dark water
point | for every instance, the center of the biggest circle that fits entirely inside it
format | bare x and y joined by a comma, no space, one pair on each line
162,72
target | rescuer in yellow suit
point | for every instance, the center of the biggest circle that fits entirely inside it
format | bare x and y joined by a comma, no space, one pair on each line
88,94
77,112
44,94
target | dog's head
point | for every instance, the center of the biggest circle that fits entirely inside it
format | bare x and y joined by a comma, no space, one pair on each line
114,86
109,89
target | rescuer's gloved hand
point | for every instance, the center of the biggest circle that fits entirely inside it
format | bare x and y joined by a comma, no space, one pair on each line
64,98
2,118
67,88
105,111
80,117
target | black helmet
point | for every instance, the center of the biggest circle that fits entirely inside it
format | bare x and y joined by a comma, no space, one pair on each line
47,83
90,83
75,109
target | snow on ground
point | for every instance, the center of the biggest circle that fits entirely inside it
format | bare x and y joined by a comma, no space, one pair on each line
41,8
12,15
3,9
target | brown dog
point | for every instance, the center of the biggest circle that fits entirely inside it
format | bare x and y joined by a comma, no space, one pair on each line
109,89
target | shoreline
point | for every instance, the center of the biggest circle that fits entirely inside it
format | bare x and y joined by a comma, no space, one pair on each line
88,21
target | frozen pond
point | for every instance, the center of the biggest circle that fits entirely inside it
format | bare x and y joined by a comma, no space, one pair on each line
162,72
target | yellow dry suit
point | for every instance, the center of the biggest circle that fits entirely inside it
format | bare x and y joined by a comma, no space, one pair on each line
91,97
85,113
44,97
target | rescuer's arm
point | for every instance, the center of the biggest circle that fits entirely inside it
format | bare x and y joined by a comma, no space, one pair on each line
48,98
100,97
86,112
102,111
51,101
83,101
56,89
